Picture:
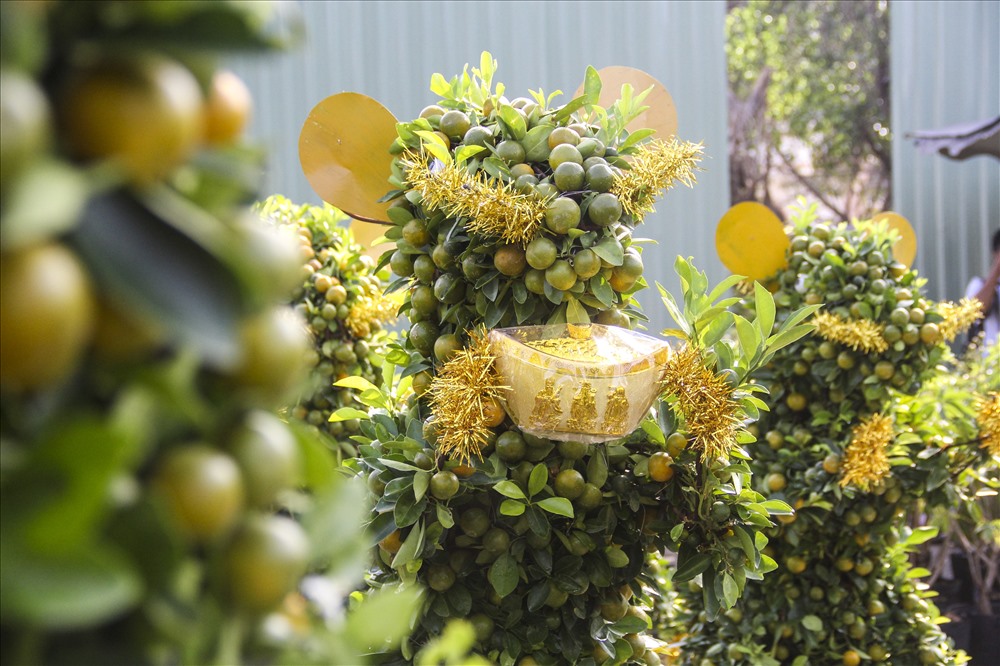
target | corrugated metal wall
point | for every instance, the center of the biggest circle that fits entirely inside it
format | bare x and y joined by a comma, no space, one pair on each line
389,50
945,71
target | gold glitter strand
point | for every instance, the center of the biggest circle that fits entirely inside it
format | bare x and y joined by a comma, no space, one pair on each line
958,318
988,419
463,397
866,460
655,167
704,399
858,334
492,208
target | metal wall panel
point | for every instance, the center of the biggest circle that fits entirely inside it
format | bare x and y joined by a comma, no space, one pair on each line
945,71
389,50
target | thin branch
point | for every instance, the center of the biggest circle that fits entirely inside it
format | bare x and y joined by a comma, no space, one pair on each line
816,192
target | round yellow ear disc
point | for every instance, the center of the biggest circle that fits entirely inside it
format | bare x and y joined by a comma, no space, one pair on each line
905,249
661,114
365,234
344,152
751,241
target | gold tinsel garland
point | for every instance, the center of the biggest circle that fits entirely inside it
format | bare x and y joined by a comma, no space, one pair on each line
492,208
704,399
858,334
463,396
958,318
655,167
988,419
866,460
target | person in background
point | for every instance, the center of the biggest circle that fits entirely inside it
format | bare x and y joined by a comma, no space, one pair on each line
987,290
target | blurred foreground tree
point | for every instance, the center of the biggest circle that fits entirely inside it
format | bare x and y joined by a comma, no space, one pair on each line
809,104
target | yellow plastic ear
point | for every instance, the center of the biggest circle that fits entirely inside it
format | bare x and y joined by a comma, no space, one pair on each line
365,234
905,249
344,152
661,114
751,241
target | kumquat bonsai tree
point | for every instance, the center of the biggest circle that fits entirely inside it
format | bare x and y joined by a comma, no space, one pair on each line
159,504
842,445
529,447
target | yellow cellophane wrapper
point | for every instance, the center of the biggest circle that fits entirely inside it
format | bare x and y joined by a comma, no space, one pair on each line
589,383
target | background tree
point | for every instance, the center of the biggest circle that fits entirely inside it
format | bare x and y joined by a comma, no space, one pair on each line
809,104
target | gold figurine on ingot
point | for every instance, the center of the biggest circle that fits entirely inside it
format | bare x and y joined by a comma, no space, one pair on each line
548,412
616,411
583,411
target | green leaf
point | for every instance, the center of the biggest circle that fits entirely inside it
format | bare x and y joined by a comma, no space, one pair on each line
143,260
334,532
788,336
509,489
576,313
748,335
920,535
464,153
635,137
690,566
557,505
570,108
503,574
653,431
444,516
812,623
777,507
440,85
597,468
537,479
724,286
383,618
514,121
511,507
347,414
60,495
610,252
407,509
676,532
43,202
411,547
592,85
764,304
602,290
420,482
799,315
730,591
536,143
630,625
617,558
71,591
356,382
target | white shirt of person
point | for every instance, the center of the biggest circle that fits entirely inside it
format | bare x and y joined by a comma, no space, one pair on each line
991,322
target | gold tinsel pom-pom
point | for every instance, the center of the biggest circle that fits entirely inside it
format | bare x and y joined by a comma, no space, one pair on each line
704,399
464,399
492,208
369,313
866,460
655,167
958,318
988,418
858,334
